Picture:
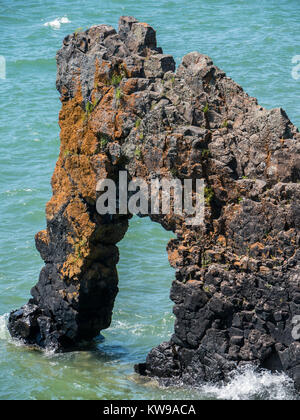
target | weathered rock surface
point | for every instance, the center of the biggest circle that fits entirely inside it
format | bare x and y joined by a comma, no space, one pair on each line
237,286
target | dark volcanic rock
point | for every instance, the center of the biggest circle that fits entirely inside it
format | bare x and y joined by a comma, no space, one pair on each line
237,287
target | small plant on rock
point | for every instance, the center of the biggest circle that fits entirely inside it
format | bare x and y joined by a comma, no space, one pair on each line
89,107
224,124
116,79
138,123
205,153
208,195
118,93
138,153
103,142
77,31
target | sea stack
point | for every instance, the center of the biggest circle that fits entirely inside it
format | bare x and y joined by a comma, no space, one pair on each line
237,288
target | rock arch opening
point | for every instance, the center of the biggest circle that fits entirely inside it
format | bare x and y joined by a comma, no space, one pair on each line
142,314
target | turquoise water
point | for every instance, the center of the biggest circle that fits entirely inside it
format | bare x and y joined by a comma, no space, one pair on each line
254,42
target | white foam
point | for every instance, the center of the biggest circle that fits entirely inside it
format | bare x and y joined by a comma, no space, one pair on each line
4,334
248,384
56,23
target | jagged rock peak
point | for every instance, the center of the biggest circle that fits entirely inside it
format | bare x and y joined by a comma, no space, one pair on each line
134,42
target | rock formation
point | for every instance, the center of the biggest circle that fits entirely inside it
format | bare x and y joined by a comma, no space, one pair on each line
237,286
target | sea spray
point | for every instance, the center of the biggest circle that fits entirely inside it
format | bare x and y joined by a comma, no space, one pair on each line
4,334
249,384
56,23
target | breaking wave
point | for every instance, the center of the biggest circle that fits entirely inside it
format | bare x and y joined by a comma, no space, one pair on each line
246,383
56,23
249,384
4,334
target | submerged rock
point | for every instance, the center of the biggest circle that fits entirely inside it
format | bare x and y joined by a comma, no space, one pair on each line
237,286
